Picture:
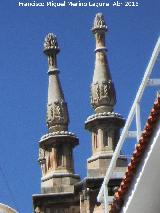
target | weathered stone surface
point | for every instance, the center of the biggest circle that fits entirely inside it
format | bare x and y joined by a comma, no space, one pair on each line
105,124
50,44
59,183
96,167
56,148
103,96
57,203
99,23
62,190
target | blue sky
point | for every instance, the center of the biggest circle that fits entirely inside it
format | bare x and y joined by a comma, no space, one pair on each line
132,35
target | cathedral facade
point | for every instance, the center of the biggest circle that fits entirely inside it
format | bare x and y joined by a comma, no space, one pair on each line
62,191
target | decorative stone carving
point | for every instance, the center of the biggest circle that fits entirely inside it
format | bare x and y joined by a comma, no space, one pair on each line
50,43
99,22
51,48
103,94
37,210
57,114
53,134
58,110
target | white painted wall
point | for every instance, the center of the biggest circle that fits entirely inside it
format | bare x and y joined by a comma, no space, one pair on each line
144,193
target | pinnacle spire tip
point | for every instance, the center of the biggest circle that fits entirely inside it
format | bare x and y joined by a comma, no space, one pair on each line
51,44
99,23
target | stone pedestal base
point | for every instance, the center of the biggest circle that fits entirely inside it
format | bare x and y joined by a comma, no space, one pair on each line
55,183
97,165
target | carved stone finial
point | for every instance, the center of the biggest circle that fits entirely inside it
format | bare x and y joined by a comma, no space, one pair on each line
99,23
103,96
57,111
51,44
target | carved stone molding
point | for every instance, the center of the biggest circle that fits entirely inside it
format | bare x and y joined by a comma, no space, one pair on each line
103,94
57,114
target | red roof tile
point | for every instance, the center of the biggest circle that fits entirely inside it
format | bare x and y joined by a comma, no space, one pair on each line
119,196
